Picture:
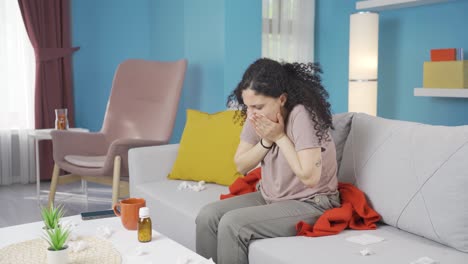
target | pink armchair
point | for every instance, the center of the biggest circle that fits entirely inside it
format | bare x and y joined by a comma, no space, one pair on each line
141,112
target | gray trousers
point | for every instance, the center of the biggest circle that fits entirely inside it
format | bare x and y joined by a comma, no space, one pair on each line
225,228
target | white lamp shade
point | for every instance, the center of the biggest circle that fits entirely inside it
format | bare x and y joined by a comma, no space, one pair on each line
362,97
363,60
363,46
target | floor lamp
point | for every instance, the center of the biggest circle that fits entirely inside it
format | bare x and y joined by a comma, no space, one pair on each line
363,60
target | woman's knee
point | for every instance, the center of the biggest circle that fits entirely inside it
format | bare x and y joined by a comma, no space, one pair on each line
208,214
234,228
231,222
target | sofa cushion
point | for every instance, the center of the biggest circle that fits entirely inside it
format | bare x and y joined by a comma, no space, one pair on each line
173,212
342,125
207,148
398,247
415,175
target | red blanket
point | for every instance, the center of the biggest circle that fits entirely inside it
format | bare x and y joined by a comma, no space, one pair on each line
354,213
243,185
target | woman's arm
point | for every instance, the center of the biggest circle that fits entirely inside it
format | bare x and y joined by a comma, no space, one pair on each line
306,164
248,156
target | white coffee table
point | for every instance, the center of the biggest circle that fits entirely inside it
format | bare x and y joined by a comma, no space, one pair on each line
44,134
160,250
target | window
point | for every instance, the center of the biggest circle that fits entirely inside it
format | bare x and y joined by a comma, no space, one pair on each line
17,70
288,30
17,73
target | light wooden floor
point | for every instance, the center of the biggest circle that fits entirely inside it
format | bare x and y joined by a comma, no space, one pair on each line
19,204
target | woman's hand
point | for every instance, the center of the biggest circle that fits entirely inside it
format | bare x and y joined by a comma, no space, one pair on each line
268,130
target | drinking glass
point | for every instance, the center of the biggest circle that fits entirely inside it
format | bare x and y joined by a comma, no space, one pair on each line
61,119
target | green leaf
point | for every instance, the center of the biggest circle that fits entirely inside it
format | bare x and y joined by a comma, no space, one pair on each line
55,235
51,215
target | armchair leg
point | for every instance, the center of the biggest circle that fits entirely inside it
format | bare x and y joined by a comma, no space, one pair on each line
53,184
116,180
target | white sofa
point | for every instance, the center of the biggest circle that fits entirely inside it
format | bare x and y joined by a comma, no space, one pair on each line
414,175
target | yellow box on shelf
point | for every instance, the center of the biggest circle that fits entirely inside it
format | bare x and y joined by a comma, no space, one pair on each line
445,74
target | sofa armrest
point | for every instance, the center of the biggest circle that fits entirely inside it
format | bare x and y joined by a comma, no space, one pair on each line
150,164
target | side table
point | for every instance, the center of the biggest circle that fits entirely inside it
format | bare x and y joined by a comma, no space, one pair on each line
44,134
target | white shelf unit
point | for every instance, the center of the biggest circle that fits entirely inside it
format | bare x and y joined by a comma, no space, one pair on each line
379,5
441,92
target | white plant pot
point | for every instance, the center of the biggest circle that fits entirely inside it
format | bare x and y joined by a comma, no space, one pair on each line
57,256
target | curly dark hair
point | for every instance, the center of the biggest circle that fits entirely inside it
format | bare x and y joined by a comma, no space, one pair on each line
300,81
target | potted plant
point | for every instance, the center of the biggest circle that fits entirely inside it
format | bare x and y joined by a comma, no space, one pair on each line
51,216
57,238
55,234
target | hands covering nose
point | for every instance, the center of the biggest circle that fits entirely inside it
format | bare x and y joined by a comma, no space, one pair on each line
267,129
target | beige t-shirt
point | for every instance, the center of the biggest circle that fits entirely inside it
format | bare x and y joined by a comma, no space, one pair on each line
278,180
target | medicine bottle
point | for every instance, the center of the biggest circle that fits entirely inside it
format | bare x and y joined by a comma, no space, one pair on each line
144,225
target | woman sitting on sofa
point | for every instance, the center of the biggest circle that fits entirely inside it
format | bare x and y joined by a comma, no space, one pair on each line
286,128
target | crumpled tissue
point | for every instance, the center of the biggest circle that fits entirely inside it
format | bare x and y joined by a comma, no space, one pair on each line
366,252
77,246
104,232
136,255
70,225
425,260
72,236
194,187
187,260
139,251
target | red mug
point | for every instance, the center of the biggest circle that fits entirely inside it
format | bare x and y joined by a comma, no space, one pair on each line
128,210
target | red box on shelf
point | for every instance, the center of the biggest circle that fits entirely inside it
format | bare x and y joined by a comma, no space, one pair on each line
444,54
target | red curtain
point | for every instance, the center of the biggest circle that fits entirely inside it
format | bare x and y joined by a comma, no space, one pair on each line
48,25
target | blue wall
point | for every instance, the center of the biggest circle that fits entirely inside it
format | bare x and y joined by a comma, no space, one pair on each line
193,30
218,38
221,38
167,17
243,39
204,48
168,43
331,49
405,39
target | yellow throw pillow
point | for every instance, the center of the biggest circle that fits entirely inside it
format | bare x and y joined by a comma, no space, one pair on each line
207,148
